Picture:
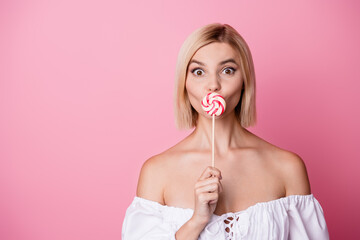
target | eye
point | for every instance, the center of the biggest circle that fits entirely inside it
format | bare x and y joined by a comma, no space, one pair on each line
198,72
229,70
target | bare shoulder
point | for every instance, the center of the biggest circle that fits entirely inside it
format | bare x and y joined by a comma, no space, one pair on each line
153,177
293,172
287,166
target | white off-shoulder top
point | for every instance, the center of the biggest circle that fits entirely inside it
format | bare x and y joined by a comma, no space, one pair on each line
295,217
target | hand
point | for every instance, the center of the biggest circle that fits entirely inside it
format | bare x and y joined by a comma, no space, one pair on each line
207,190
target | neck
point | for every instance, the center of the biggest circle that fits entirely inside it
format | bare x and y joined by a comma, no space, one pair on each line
228,133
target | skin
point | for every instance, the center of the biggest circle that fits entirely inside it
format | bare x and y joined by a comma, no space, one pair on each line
247,169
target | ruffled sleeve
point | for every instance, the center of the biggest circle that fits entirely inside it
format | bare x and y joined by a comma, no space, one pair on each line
145,220
306,219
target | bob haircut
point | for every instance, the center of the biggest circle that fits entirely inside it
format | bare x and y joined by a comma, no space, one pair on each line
185,115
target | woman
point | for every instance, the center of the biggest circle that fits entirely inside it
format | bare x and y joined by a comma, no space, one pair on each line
256,190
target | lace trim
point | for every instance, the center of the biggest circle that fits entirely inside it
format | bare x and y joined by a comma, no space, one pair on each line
229,224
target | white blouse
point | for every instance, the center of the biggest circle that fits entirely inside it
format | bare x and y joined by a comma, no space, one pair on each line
295,217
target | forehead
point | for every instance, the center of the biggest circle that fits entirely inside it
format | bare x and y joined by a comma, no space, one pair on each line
215,52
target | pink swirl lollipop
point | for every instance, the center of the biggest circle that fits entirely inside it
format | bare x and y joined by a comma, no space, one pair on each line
213,104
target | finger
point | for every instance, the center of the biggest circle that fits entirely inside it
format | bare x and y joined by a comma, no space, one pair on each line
214,187
209,172
207,181
205,198
214,201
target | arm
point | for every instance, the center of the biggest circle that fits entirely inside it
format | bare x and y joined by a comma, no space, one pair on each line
151,186
151,183
190,230
206,191
306,217
295,175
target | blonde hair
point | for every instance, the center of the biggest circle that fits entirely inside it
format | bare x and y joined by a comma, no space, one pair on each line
185,115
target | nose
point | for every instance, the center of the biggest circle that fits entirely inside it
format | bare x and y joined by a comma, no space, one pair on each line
214,84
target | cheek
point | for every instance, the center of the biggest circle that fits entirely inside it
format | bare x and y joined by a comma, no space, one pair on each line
194,95
186,85
236,99
191,89
235,93
189,92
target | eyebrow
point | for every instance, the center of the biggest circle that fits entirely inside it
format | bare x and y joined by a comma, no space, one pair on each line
221,63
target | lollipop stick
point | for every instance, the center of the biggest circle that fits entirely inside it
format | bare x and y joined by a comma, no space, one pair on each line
212,141
214,105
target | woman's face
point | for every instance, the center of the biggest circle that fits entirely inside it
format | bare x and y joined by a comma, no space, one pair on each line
214,68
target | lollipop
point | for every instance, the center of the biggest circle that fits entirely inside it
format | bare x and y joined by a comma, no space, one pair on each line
214,105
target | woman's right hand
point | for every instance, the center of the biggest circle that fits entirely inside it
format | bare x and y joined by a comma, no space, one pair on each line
207,190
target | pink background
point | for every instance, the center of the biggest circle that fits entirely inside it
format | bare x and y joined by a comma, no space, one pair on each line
86,91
